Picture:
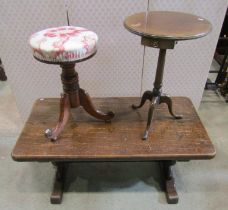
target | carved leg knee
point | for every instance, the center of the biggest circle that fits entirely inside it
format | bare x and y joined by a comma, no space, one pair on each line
146,96
167,100
86,103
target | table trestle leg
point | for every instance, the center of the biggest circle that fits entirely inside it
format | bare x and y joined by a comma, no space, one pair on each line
169,181
57,193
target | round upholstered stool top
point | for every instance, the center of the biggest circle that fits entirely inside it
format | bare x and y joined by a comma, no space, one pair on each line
63,44
168,25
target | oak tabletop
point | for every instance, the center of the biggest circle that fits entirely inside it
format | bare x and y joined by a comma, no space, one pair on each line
87,139
168,25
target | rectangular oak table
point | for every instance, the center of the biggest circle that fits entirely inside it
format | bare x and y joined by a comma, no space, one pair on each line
87,139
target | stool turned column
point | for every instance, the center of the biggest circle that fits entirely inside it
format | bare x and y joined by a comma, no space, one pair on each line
67,46
162,30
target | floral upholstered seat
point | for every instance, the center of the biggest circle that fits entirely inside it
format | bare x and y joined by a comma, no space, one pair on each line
63,44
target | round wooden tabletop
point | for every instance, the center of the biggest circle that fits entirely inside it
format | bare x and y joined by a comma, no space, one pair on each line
168,25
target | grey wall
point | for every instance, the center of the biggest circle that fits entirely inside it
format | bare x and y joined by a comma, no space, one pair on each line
116,69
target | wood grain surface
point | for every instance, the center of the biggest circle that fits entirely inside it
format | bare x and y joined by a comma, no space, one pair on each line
88,139
168,25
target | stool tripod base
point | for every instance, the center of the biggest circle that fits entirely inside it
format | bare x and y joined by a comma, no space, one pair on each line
85,102
73,97
155,100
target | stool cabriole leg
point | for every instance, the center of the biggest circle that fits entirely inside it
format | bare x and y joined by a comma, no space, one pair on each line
63,118
87,104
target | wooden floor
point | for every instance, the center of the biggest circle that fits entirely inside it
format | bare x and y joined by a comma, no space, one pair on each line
87,139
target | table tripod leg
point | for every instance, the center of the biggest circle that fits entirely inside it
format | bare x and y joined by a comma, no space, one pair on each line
147,95
167,100
150,116
86,103
57,193
169,181
63,118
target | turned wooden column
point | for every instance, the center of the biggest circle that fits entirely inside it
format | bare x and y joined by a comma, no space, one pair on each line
159,73
70,83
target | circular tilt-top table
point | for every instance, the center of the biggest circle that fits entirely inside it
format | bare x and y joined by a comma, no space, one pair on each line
162,29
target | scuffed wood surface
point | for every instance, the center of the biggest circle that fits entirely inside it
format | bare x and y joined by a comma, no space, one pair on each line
88,139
